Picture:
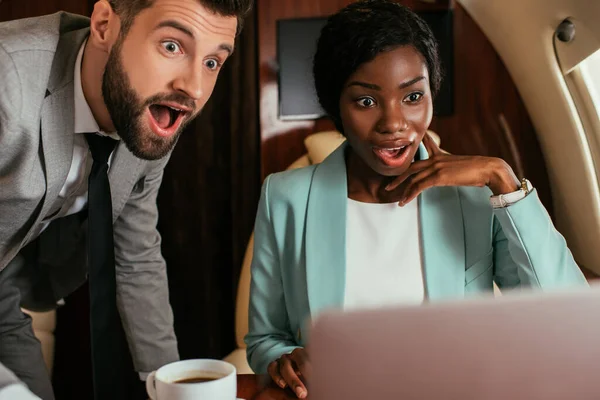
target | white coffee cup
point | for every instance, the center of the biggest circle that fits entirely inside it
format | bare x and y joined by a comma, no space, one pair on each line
165,383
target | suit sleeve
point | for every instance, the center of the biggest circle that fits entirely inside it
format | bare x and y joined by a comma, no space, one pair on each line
269,335
142,287
529,251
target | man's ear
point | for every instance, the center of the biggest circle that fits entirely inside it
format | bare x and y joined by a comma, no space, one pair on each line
104,27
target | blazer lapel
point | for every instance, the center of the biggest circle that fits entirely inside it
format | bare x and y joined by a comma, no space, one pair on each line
442,241
57,142
326,234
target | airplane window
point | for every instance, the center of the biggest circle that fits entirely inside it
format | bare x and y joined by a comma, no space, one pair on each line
590,72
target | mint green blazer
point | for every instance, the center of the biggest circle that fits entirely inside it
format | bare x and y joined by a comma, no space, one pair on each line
299,262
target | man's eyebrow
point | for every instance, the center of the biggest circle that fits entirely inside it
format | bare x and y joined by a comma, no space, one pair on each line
169,23
227,47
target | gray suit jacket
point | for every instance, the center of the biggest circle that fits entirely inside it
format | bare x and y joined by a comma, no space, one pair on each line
37,59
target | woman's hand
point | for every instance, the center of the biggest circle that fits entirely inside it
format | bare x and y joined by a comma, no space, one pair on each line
291,370
442,169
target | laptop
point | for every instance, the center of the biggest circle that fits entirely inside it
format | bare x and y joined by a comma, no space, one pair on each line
520,346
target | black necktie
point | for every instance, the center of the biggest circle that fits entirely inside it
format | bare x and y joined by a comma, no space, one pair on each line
111,365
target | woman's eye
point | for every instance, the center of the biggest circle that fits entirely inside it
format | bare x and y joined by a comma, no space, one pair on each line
212,64
414,97
366,102
171,47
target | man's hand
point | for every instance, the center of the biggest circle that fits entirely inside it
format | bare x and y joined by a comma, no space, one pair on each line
292,370
442,169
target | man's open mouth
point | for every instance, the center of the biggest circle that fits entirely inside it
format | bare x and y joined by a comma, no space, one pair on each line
166,119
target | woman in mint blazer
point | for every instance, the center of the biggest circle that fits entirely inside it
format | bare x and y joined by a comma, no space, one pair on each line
376,70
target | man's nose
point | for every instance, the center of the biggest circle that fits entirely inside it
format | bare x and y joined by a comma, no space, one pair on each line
190,83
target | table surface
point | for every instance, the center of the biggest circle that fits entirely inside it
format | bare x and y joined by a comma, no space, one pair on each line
261,387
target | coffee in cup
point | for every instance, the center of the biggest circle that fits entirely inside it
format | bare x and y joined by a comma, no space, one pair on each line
198,379
193,380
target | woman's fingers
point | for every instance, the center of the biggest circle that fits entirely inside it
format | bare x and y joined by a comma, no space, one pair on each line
419,182
300,358
414,168
273,370
288,372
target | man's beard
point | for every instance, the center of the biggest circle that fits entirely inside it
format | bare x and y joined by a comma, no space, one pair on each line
127,111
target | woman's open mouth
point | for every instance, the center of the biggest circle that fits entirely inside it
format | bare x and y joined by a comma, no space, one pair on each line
165,119
393,157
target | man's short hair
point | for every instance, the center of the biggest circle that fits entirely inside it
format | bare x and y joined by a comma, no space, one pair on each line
128,9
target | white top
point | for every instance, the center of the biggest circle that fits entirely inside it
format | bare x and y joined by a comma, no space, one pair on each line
73,195
383,255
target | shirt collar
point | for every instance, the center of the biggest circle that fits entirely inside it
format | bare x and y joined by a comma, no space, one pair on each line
84,119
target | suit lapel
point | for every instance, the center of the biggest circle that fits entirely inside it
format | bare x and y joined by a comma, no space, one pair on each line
442,241
326,234
57,142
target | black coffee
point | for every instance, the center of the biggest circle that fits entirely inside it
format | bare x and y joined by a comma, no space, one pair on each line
197,379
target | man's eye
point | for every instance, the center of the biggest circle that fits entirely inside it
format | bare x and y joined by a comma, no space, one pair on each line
414,97
366,102
212,64
171,47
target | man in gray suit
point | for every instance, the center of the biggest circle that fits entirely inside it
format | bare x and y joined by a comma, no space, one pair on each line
137,71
